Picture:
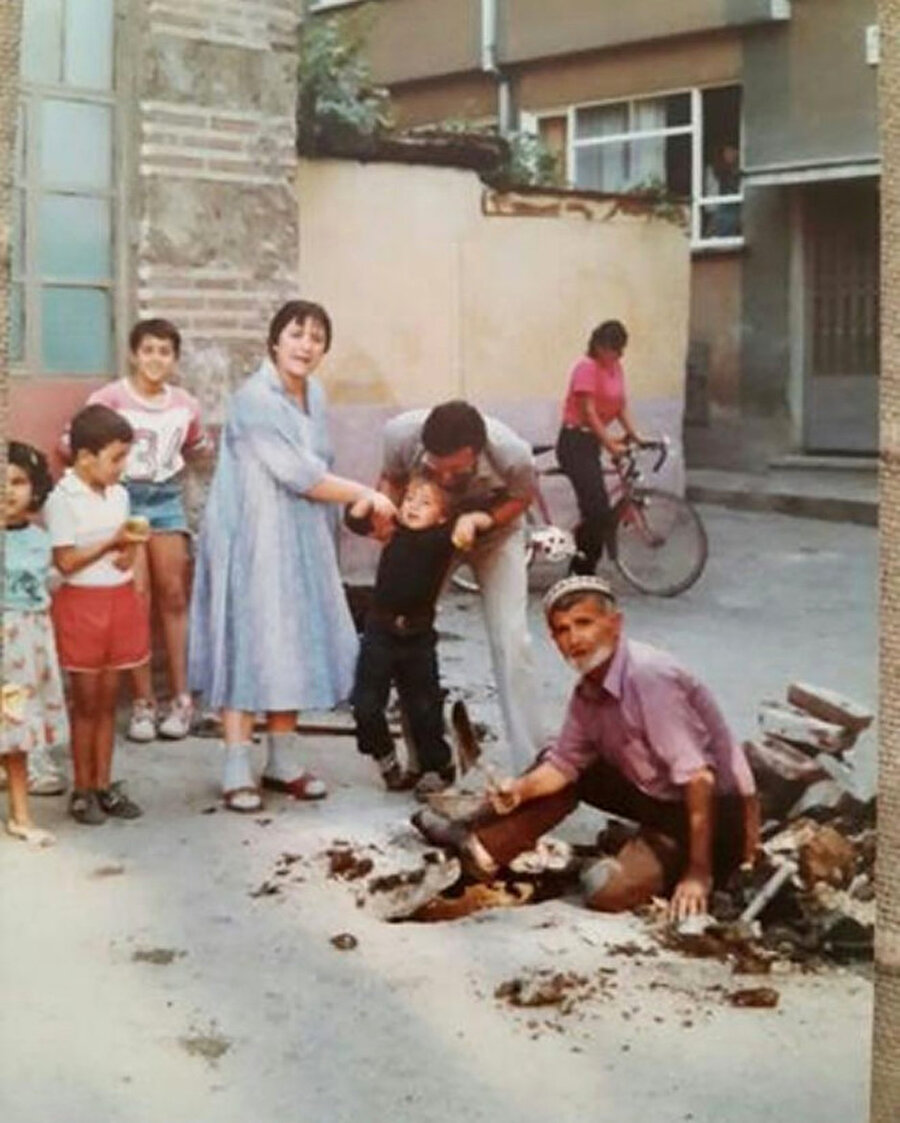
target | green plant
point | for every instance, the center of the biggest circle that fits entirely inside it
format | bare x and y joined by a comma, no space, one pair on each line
339,107
528,162
651,197
532,163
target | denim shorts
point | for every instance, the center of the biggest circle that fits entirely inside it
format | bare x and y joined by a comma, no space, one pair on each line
161,505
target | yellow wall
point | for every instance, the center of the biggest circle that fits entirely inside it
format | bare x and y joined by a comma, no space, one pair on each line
432,298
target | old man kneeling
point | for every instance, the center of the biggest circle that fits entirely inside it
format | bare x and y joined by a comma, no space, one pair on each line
642,739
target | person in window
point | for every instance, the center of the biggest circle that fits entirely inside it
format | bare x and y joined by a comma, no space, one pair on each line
595,405
723,177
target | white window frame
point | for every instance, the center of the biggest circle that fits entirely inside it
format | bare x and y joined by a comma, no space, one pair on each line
27,179
699,200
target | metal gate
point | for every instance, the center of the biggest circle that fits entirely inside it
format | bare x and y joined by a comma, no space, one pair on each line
841,291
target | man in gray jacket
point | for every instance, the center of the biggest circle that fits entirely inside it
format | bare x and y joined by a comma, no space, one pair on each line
487,468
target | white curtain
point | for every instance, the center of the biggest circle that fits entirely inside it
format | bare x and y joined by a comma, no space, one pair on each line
647,156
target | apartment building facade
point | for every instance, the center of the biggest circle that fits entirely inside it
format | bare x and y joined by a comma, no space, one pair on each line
761,112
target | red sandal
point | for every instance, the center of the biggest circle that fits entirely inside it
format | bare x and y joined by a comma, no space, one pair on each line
305,786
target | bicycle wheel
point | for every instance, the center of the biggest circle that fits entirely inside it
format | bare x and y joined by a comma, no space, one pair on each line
660,544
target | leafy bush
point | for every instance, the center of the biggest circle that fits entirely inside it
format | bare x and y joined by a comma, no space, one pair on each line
339,108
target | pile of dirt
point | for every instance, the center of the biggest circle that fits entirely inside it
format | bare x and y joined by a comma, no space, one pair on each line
564,990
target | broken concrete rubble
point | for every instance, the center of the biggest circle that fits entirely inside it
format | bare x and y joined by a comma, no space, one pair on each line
830,706
778,719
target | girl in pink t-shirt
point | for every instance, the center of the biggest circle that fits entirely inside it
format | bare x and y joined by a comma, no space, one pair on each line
595,401
167,431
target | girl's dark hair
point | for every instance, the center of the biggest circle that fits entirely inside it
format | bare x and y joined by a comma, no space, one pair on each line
95,427
34,464
158,329
610,334
451,426
298,312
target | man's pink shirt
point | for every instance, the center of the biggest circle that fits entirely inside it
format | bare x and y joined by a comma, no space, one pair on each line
652,721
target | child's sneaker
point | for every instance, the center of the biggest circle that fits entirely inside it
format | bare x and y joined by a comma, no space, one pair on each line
116,803
395,779
142,726
84,807
176,725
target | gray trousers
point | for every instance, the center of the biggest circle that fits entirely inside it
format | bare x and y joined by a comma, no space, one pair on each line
499,566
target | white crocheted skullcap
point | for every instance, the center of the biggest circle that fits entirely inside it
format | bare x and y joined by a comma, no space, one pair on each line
586,584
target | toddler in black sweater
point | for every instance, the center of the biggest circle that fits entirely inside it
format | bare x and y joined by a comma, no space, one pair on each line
399,643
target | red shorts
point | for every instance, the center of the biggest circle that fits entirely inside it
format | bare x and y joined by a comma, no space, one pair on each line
101,628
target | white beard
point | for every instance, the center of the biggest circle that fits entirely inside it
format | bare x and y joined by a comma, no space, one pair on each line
587,663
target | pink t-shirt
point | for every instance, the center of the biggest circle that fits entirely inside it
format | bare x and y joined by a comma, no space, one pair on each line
604,382
653,722
163,429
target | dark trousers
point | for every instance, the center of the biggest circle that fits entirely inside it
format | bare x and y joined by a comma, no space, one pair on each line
578,455
409,662
604,787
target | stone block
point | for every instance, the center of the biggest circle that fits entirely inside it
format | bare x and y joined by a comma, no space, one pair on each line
792,724
828,705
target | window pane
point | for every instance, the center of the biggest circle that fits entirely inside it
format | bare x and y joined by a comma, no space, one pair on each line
662,163
16,323
678,109
17,241
42,40
648,114
74,236
21,140
720,220
722,140
601,120
76,144
88,52
76,330
602,167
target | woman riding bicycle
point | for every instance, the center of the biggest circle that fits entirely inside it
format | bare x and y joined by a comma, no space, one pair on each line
595,400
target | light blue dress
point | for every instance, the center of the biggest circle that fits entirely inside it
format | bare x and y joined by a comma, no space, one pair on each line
270,628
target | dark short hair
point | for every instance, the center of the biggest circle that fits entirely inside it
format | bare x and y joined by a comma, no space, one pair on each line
610,334
95,427
452,426
298,312
34,464
159,329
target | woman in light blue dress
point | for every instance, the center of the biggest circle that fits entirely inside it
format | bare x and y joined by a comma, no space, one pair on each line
270,629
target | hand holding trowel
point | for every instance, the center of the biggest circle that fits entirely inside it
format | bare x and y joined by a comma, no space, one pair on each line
469,752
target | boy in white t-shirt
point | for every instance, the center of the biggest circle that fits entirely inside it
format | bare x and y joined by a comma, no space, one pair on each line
100,620
167,432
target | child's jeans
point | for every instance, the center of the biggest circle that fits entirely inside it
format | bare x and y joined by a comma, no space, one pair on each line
410,663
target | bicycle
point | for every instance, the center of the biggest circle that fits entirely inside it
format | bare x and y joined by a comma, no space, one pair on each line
658,542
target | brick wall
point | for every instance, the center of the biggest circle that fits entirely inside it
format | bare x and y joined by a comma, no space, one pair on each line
216,241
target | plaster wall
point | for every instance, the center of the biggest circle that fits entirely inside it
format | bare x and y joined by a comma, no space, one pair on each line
439,289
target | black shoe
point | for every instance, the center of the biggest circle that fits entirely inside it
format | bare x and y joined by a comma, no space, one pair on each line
85,807
579,566
395,779
116,803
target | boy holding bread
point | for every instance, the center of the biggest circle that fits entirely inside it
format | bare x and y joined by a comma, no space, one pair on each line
99,618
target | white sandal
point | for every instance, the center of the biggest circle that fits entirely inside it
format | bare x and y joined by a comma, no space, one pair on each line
34,836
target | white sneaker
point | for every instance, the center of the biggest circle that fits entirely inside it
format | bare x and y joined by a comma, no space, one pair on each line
142,726
176,725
